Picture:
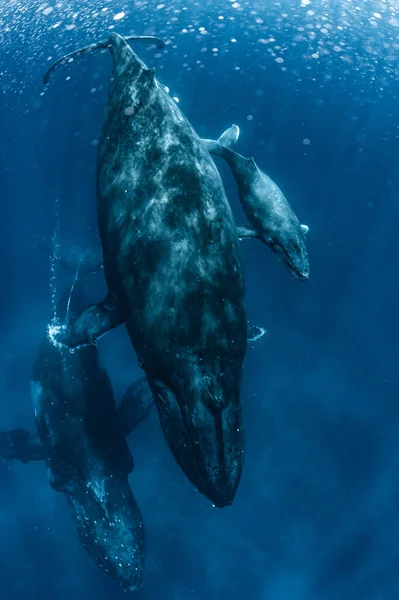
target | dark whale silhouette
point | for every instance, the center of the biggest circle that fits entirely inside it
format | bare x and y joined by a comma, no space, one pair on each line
267,209
135,406
19,444
79,435
174,272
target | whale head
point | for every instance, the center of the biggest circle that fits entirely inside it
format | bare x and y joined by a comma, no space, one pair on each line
200,414
288,243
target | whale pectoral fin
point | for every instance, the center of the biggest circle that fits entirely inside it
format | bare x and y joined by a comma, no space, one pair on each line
95,321
255,333
305,229
247,233
230,136
135,406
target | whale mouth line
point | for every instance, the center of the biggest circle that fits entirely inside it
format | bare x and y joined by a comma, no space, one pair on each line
296,271
191,447
220,500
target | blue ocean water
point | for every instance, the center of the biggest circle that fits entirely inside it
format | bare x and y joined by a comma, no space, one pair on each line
314,89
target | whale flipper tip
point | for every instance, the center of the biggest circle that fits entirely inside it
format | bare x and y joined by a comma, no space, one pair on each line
305,229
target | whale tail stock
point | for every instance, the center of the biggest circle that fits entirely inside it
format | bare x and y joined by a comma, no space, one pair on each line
103,45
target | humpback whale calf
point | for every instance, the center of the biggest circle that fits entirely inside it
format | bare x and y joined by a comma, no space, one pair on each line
267,209
174,272
79,437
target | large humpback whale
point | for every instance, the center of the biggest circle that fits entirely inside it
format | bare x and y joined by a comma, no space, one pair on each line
173,269
79,436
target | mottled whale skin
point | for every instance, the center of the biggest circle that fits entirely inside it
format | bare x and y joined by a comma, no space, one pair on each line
87,458
89,261
267,209
174,272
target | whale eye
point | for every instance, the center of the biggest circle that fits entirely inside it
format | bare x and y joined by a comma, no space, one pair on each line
268,240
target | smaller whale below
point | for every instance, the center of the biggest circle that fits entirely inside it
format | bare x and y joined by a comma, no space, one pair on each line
80,436
135,407
267,209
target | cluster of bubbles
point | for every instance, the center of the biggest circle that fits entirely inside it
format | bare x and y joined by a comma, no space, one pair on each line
54,327
362,34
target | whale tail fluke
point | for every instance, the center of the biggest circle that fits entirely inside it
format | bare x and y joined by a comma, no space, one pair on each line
103,45
226,140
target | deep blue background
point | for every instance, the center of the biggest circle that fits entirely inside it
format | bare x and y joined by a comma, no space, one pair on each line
316,515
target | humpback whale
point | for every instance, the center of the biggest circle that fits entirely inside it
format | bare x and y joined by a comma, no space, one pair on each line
87,458
173,269
267,209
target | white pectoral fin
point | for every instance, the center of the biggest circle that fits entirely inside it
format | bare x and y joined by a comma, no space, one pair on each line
305,229
247,233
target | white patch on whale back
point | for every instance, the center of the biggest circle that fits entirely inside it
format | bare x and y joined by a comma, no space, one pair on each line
36,391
